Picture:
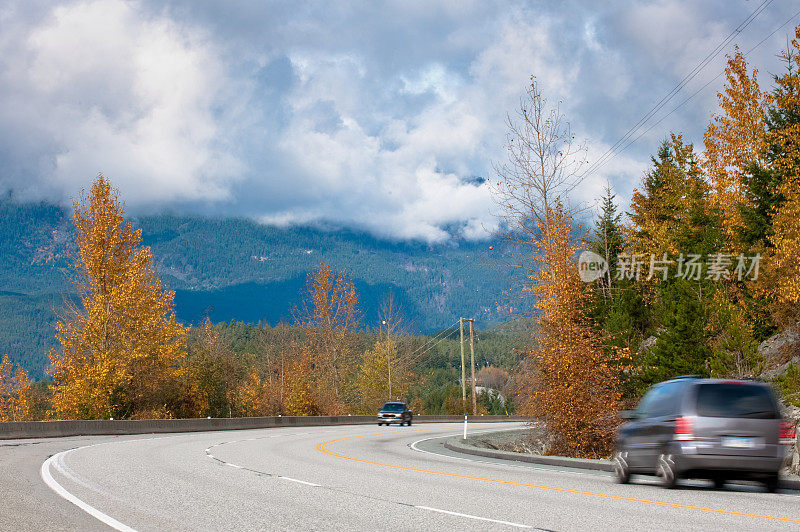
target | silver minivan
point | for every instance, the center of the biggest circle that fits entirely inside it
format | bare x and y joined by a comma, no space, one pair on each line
717,429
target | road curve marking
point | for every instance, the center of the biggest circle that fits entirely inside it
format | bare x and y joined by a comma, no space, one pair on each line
516,465
468,516
298,481
91,510
322,447
48,479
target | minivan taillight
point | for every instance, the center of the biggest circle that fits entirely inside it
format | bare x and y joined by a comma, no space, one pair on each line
787,433
683,429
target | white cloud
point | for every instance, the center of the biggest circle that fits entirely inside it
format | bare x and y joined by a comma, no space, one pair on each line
377,116
435,78
133,96
402,175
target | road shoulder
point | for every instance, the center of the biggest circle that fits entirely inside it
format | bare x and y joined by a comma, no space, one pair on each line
458,444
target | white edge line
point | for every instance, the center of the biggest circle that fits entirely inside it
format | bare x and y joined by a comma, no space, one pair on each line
48,479
414,444
117,525
413,447
468,516
298,481
91,510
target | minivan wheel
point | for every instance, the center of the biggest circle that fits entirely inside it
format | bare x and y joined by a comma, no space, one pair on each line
771,483
665,469
622,472
719,482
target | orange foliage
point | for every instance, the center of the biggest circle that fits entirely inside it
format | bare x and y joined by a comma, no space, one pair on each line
330,320
120,348
733,139
573,386
492,377
299,398
15,395
783,269
254,397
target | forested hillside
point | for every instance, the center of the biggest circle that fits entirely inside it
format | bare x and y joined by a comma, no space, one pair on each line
239,270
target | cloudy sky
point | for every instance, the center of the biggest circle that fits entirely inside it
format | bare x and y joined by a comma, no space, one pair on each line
373,115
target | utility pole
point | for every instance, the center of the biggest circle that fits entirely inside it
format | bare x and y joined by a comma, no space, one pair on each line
472,369
463,373
388,360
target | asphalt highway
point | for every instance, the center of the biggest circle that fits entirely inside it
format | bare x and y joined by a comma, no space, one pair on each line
356,477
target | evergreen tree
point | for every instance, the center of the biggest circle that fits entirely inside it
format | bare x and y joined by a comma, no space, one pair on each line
214,372
618,310
608,239
671,214
734,348
763,181
681,347
763,197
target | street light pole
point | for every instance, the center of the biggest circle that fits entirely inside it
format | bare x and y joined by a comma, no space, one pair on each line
388,360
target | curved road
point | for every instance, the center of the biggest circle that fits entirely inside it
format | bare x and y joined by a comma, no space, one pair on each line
356,477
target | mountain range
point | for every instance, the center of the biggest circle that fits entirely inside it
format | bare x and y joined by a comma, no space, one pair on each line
235,269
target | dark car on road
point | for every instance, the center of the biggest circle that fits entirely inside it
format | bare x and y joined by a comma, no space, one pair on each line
395,413
714,429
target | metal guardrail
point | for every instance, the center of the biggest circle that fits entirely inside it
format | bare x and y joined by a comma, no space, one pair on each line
65,428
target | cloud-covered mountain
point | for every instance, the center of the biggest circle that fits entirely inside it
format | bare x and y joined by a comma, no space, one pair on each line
234,269
374,115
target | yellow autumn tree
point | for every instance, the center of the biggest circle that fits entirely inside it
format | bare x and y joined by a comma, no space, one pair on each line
567,380
214,372
300,397
120,347
381,377
254,397
733,141
328,322
16,402
571,383
782,269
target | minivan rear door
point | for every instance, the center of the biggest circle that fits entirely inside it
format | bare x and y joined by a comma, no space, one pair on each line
736,418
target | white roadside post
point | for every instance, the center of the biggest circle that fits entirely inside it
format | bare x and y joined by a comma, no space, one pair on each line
465,426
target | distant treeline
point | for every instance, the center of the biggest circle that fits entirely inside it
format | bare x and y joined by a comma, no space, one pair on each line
238,270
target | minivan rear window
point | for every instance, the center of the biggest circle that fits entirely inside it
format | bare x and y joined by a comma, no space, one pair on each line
736,400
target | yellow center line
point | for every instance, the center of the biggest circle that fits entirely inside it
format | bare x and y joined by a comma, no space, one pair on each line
322,447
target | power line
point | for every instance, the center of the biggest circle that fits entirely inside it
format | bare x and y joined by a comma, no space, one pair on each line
715,78
613,150
419,357
446,331
610,153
